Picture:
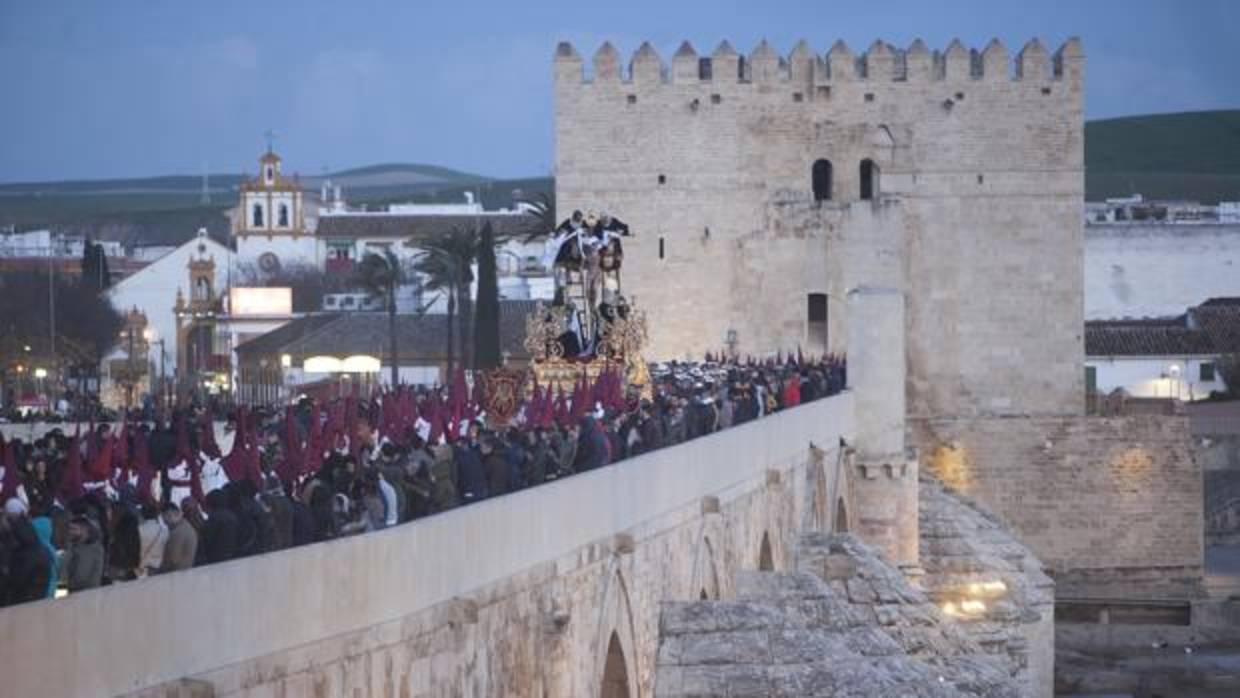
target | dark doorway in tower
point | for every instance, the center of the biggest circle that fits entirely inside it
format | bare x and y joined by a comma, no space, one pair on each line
615,671
869,179
816,321
821,176
766,562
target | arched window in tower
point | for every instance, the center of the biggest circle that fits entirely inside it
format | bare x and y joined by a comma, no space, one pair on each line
283,216
271,174
202,289
258,215
869,180
822,180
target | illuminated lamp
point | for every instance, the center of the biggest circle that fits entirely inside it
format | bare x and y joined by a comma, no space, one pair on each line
322,364
361,363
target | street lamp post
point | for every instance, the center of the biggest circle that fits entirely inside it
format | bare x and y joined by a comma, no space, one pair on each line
130,378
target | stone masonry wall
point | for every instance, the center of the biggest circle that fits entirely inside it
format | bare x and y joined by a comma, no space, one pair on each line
977,215
844,623
538,633
963,549
1112,506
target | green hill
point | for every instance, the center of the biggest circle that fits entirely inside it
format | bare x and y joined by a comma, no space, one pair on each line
1191,155
168,209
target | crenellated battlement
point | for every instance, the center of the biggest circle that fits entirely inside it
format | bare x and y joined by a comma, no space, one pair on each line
881,62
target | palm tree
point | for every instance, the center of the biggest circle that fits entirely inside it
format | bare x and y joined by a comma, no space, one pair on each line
540,212
447,264
456,250
442,270
486,333
379,275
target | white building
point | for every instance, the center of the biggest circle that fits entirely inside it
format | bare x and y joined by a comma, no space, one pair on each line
270,226
276,228
45,243
1158,270
1138,209
1174,357
1229,212
153,290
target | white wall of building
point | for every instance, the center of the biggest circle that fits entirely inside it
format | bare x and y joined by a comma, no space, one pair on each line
409,375
1156,376
1158,270
42,243
153,290
301,250
1229,212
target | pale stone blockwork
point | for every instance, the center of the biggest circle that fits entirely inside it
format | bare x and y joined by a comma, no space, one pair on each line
975,206
1112,506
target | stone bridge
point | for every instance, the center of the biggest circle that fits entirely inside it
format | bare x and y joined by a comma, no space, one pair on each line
541,593
649,576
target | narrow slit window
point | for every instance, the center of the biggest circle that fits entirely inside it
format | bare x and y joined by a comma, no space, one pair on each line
869,179
821,180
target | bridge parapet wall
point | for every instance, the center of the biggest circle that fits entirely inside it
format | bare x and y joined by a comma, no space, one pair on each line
512,596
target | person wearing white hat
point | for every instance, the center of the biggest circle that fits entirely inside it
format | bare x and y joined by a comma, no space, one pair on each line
29,566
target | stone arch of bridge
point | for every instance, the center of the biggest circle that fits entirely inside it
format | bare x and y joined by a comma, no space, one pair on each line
615,671
615,645
766,557
705,581
828,491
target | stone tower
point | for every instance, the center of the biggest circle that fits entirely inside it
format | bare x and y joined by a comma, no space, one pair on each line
762,188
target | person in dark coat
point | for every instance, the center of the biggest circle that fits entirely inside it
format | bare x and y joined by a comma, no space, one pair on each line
28,566
651,430
472,474
220,532
126,552
539,457
497,467
280,510
302,531
83,561
516,455
444,476
592,448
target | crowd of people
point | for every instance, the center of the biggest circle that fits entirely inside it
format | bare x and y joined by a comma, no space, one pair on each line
121,502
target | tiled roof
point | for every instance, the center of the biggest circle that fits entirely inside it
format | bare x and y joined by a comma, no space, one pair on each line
1160,337
1221,321
289,332
410,226
1210,328
420,338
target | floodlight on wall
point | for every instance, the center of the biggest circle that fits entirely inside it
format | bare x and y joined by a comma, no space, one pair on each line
323,364
40,373
1173,370
360,363
286,360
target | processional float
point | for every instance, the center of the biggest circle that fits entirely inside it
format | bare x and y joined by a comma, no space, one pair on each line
589,327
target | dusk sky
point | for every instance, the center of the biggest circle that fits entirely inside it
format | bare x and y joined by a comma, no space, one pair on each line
135,87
